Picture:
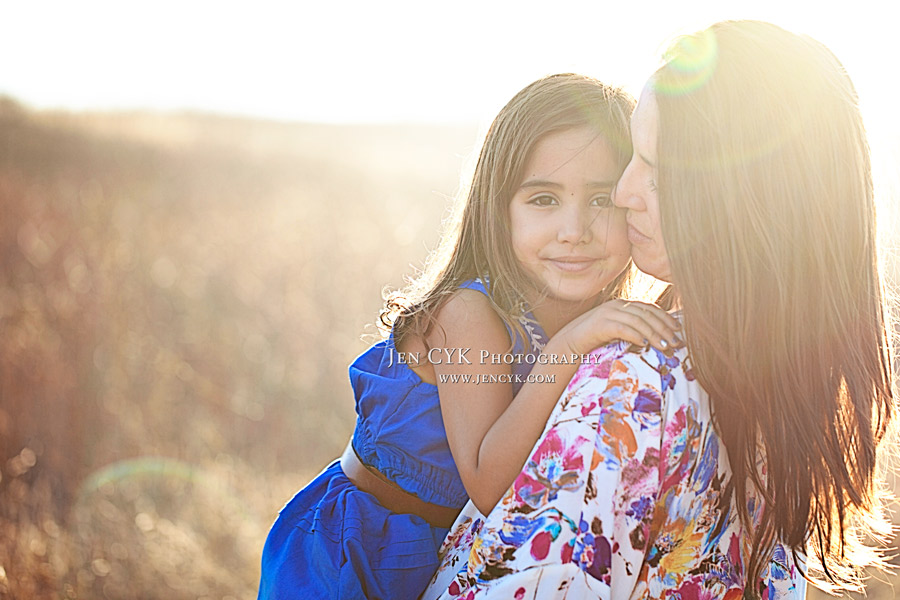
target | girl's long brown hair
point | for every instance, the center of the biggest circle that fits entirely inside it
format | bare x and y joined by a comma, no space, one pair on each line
477,242
767,209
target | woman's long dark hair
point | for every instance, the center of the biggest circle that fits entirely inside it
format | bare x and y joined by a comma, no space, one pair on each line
768,213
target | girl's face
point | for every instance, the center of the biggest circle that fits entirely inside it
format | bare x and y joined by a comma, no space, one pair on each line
566,233
637,192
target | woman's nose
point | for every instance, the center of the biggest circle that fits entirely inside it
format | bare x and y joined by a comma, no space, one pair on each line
625,193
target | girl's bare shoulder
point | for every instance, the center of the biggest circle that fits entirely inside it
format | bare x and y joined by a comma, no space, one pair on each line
467,313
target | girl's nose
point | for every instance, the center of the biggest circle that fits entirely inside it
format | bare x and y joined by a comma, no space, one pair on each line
574,226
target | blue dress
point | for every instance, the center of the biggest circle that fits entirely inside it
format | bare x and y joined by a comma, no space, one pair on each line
333,540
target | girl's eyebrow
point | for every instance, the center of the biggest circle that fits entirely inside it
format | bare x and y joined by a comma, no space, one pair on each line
535,183
540,183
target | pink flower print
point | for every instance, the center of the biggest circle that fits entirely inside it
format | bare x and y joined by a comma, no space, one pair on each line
540,545
693,588
567,550
553,467
689,591
598,363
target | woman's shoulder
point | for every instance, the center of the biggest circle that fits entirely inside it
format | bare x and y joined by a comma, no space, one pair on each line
644,363
644,379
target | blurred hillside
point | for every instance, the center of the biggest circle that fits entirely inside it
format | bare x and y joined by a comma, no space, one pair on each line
180,296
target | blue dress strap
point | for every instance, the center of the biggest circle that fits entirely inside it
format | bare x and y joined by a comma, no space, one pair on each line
475,284
537,339
524,353
479,286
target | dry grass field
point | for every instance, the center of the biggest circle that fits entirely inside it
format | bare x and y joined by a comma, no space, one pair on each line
180,297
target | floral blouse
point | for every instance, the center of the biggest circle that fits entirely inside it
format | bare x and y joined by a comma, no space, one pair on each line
619,500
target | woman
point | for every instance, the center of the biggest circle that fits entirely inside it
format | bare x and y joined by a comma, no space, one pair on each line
709,472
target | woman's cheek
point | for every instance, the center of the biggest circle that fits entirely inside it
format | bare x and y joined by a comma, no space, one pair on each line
618,231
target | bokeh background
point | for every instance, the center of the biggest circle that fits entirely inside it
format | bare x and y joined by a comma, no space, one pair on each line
200,207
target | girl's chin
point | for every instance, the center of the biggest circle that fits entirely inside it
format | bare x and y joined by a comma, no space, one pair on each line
573,294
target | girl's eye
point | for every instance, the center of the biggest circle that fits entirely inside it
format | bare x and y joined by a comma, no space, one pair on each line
543,201
602,200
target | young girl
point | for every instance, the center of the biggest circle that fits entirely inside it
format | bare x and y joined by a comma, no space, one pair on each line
480,349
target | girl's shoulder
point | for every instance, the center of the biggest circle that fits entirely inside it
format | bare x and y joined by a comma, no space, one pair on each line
522,328
471,299
469,310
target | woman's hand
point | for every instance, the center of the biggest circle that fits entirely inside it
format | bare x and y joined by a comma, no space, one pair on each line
637,322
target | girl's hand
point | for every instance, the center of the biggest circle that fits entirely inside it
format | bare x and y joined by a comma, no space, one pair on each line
637,322
490,432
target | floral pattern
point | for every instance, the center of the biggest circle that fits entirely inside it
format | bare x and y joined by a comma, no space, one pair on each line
619,499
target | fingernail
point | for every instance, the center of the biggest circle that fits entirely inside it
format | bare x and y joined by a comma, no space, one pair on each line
664,344
677,340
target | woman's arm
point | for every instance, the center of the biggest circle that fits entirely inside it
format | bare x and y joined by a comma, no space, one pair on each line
491,433
569,525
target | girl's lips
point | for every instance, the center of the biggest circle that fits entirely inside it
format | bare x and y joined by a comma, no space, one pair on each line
636,237
572,265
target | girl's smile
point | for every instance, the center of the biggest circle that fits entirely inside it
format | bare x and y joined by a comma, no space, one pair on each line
572,264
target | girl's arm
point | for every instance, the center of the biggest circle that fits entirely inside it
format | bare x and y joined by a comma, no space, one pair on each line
491,433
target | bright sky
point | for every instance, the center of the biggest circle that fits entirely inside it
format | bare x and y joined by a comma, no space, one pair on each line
385,61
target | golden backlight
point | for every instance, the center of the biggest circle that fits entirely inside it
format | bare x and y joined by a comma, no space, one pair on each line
200,204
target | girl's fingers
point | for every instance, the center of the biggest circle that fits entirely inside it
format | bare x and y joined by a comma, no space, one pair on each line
659,322
653,309
630,334
637,329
